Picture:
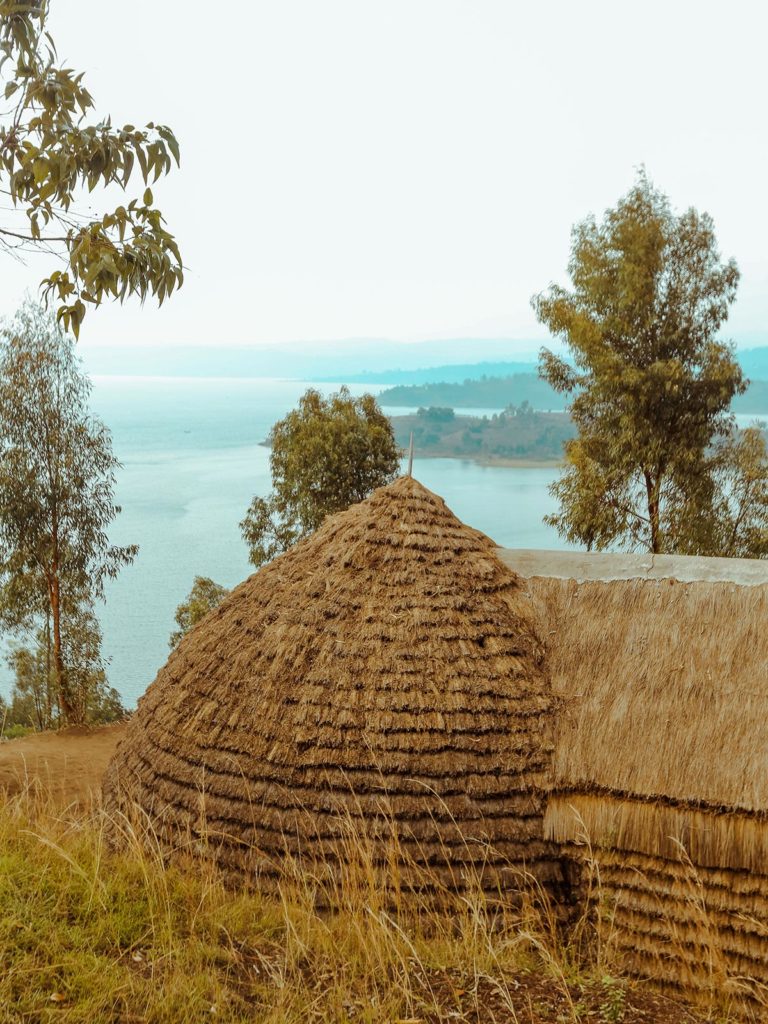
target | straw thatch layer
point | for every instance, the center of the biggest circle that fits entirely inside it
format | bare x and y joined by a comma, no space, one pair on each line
708,838
381,680
699,931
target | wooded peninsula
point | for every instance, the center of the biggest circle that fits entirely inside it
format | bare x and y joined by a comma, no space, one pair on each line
518,436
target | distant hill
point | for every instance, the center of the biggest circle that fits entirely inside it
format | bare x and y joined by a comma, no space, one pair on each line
365,360
499,392
755,400
486,393
374,360
447,374
754,362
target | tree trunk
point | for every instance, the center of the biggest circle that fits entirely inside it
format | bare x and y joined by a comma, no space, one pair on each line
652,489
68,711
48,707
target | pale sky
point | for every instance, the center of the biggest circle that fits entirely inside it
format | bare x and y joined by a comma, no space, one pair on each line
411,169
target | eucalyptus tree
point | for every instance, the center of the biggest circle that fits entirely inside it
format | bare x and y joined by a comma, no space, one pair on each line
325,455
57,478
34,695
53,153
650,386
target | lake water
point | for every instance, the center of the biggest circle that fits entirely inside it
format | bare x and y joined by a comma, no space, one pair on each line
191,464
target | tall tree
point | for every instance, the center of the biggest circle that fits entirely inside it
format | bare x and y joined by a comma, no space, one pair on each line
50,154
650,385
325,455
57,476
32,702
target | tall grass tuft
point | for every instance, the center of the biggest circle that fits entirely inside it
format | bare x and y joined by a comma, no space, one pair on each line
93,932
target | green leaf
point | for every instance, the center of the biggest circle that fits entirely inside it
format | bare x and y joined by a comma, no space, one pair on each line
57,155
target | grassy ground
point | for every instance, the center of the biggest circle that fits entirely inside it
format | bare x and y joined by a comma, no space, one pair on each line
87,935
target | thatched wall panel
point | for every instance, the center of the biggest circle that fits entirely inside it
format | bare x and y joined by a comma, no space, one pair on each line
250,867
663,688
699,930
282,762
659,760
403,809
668,922
479,786
287,809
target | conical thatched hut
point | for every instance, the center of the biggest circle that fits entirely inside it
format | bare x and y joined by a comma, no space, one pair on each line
383,677
659,666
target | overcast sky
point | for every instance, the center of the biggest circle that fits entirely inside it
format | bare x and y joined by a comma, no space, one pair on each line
411,168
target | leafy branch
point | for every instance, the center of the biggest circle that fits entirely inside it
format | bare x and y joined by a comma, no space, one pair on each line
50,155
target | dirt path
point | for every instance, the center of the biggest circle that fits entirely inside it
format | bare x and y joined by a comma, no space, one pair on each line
68,764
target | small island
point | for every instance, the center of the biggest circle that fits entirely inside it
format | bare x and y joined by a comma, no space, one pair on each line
518,436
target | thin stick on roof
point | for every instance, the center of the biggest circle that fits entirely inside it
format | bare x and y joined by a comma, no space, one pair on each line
410,456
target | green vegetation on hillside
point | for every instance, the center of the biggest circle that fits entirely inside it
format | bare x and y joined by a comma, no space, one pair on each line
486,393
516,435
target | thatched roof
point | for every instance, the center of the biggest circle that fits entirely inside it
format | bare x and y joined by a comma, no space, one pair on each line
664,700
387,668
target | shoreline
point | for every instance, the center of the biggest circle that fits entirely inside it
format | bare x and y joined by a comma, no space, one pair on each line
497,461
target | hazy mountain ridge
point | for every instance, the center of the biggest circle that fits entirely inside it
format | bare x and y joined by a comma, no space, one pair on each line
446,374
337,361
363,361
500,392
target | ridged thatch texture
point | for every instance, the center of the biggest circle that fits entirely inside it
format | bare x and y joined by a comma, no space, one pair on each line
699,932
381,678
661,762
665,687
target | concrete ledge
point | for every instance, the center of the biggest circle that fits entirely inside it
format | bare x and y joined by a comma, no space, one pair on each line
583,566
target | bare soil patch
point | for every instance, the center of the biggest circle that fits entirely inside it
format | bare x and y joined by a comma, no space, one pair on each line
66,766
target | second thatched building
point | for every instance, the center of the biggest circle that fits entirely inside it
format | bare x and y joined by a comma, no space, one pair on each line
659,800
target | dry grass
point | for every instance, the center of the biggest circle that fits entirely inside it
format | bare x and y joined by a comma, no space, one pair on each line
88,934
